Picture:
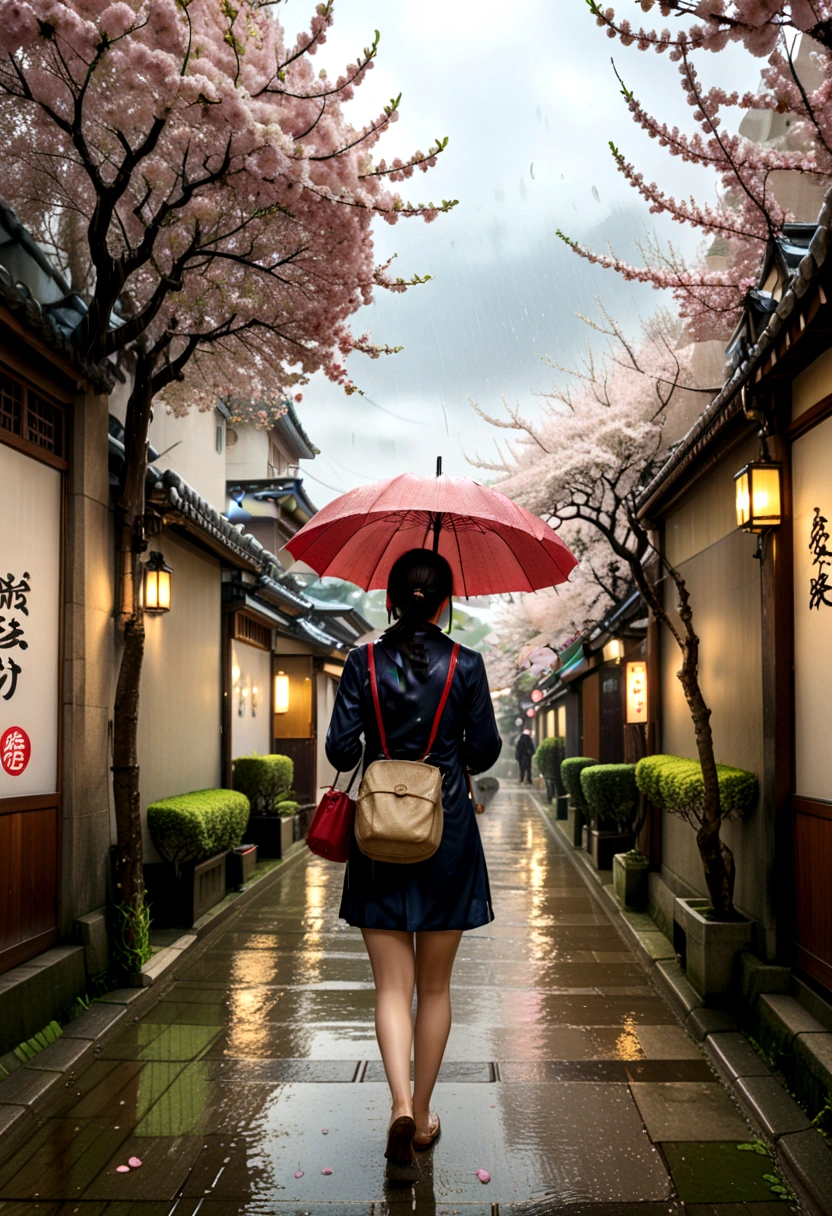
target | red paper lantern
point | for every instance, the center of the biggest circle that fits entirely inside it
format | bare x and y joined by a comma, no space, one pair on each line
529,713
537,695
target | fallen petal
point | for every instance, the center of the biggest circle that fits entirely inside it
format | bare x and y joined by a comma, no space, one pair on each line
326,1170
324,1131
134,1162
483,1175
122,1169
298,1173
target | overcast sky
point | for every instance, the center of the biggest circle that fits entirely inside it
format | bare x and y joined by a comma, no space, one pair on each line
527,95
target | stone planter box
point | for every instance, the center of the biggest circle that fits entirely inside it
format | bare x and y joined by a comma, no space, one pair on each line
303,821
562,806
271,833
604,845
575,823
239,865
710,948
175,903
629,880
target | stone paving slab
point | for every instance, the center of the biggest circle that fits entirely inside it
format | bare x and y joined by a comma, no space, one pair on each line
564,1075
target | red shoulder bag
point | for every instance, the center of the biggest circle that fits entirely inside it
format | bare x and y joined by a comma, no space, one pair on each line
332,826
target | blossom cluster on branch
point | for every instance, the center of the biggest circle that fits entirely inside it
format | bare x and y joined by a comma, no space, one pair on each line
200,184
751,173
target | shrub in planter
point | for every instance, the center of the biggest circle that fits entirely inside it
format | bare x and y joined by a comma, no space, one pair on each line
288,807
673,783
265,780
192,827
548,758
570,775
611,793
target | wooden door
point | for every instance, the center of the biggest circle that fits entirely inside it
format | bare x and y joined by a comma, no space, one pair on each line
591,715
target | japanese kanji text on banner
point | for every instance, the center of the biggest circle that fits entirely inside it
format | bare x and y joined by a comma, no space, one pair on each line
30,547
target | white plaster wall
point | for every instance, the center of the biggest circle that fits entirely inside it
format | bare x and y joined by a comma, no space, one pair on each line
248,459
716,560
195,457
179,711
325,690
251,729
813,384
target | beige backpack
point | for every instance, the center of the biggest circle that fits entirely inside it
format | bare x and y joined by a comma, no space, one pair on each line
398,816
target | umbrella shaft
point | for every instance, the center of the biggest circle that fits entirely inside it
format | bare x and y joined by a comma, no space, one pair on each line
437,527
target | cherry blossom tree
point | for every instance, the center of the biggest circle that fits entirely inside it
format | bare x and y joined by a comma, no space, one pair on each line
586,462
750,175
204,189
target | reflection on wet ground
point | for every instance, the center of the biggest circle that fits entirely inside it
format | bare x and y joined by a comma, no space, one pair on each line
566,1076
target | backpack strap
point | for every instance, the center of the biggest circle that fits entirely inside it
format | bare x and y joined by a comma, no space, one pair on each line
445,694
371,667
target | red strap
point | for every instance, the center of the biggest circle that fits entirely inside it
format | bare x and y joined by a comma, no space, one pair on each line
371,666
445,693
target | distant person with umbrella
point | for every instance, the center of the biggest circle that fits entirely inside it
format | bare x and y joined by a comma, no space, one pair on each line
523,751
424,540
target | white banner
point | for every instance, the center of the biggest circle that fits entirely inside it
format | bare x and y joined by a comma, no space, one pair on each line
30,552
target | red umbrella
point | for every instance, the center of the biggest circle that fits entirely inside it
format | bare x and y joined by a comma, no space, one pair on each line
492,544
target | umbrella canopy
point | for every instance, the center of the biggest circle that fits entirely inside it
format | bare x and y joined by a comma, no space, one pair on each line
491,543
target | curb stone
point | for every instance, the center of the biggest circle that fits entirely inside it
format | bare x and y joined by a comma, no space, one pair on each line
27,1091
801,1151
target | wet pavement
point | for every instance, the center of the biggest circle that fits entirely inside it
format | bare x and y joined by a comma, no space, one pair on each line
566,1076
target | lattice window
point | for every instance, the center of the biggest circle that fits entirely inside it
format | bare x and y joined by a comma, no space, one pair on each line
44,424
11,404
26,414
248,630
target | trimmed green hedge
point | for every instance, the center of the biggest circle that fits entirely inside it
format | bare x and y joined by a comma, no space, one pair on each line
611,792
549,756
570,775
191,827
288,807
674,783
265,780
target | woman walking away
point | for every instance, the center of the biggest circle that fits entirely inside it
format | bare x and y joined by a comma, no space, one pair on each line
412,916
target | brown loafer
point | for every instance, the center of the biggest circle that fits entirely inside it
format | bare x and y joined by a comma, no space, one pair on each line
423,1143
401,1160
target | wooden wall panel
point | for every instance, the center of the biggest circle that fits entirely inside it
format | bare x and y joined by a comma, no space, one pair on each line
591,715
812,845
28,883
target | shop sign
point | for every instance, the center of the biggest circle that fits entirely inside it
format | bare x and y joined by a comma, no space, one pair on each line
29,625
820,589
636,692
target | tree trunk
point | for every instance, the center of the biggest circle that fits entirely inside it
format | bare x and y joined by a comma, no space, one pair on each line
717,858
129,875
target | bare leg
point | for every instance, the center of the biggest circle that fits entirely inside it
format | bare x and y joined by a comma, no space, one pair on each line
394,972
435,954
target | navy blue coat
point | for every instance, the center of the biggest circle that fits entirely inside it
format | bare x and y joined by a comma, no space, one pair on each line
450,890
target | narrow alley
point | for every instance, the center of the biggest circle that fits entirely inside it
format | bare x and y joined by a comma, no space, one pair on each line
255,1084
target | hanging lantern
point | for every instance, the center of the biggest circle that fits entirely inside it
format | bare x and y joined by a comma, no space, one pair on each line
156,584
537,695
758,496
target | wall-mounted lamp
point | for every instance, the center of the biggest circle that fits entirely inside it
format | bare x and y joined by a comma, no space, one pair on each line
614,651
254,701
636,692
156,589
241,706
281,693
759,498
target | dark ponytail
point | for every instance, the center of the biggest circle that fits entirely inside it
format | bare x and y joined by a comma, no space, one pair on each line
419,583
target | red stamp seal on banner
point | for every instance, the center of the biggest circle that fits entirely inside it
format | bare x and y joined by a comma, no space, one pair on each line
15,750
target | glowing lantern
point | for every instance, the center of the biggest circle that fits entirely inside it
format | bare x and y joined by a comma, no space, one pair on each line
281,693
156,590
758,497
636,692
537,695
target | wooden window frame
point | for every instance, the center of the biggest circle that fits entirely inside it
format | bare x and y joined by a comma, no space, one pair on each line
21,443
